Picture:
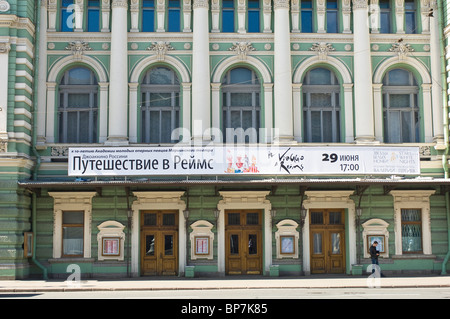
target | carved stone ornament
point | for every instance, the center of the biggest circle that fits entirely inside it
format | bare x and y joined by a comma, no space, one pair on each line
402,49
4,48
360,4
3,146
62,151
322,49
4,6
242,49
160,48
78,47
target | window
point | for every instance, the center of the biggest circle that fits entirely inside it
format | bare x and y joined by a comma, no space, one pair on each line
400,107
148,16
160,91
321,110
78,106
307,16
332,16
385,16
410,16
227,15
93,12
72,233
253,16
174,16
241,106
67,16
411,230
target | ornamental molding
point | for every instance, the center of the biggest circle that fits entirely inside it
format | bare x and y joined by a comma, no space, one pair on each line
160,48
242,49
3,146
200,4
5,47
78,48
360,4
4,6
402,49
281,4
60,151
120,4
322,49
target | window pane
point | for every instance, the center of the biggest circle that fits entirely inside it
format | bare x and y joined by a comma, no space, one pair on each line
316,218
154,127
93,20
335,218
316,127
410,21
307,21
150,245
72,240
394,127
240,76
168,219
332,4
320,99
252,219
241,99
227,21
253,21
385,22
168,245
73,217
411,215
160,99
234,245
399,77
79,76
411,238
319,76
399,100
327,127
71,128
252,244
150,219
78,100
166,126
148,20
174,20
83,133
332,22
67,19
317,243
148,3
227,3
335,243
162,76
234,219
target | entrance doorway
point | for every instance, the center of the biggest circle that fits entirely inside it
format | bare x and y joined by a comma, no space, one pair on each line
327,238
159,243
243,236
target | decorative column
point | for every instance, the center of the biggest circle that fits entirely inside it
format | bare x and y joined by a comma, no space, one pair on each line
321,11
346,16
295,13
348,104
283,74
378,110
79,12
436,89
215,15
52,7
400,15
267,16
118,88
134,14
106,14
51,97
42,93
241,10
103,114
161,14
201,85
363,74
425,9
5,47
187,13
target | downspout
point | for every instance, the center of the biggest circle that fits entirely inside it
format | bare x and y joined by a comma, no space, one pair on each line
33,143
440,12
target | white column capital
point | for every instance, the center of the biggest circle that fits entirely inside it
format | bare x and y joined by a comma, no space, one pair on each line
5,47
200,4
360,4
280,4
119,4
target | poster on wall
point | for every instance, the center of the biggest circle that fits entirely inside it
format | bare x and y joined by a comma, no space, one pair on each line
251,160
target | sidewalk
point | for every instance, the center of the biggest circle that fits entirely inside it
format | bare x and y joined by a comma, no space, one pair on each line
165,283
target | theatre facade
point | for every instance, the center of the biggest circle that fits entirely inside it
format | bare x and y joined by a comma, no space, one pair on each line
219,138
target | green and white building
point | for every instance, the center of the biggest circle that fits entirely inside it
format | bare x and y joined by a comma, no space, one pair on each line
351,94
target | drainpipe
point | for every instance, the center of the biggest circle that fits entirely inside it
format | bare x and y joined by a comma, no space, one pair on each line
440,16
33,143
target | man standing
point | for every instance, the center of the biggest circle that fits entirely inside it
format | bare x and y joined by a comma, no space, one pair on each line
374,254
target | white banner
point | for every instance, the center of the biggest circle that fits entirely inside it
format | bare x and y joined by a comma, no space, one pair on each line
264,160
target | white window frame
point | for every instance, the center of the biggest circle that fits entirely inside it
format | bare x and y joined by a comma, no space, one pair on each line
412,199
71,201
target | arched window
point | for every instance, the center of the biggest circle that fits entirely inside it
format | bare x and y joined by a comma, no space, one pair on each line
241,106
400,107
321,107
78,106
160,106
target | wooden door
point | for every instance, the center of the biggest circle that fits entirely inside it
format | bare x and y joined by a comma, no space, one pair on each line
327,241
159,238
243,249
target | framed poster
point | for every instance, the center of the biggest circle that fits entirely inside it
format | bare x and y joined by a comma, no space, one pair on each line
202,245
111,246
28,244
378,238
287,244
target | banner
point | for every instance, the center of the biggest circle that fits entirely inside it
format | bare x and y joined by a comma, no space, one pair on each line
251,160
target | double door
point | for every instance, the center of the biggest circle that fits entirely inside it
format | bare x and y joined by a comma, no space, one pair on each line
159,243
327,238
243,232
